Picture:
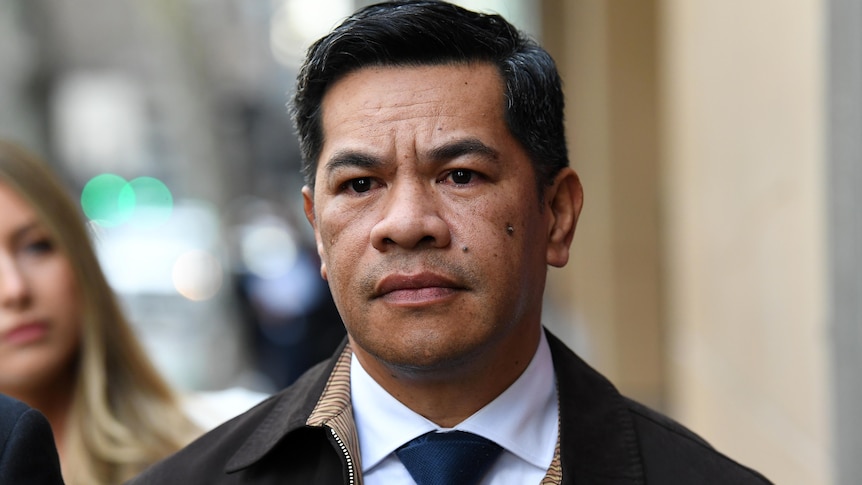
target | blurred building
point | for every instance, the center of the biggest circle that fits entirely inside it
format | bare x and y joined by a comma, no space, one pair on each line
717,269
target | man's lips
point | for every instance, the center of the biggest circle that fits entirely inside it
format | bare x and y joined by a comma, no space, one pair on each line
416,288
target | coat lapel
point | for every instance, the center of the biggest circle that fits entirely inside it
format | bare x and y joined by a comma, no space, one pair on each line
291,411
597,435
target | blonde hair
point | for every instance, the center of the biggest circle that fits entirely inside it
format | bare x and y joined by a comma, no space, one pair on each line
124,416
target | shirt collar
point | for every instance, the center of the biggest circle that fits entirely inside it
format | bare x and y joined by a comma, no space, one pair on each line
523,419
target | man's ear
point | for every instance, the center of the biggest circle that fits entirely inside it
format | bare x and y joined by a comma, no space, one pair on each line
564,199
308,205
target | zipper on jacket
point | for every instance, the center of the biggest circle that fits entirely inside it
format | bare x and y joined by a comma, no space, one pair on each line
351,474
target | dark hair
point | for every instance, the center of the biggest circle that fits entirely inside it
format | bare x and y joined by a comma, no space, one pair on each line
428,32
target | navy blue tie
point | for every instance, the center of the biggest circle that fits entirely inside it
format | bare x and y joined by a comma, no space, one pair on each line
450,458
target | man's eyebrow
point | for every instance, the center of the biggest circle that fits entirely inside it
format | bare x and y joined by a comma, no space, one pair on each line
461,147
448,151
351,158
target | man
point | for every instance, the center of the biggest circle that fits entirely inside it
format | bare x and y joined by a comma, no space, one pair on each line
27,450
439,191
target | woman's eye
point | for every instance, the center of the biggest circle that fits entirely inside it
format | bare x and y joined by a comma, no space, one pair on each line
360,184
461,176
40,246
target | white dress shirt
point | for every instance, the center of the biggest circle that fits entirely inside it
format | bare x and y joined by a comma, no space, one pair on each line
523,420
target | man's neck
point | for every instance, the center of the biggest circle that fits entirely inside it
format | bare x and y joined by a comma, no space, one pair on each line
448,396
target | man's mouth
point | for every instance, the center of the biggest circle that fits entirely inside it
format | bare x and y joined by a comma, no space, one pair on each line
416,289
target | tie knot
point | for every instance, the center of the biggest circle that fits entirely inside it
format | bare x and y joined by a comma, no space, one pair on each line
450,458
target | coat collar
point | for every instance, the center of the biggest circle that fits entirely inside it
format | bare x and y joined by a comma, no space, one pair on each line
288,412
597,435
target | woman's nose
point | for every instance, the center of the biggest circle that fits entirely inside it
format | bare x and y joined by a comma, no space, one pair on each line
14,289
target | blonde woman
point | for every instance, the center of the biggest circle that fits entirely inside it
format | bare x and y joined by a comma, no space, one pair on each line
65,347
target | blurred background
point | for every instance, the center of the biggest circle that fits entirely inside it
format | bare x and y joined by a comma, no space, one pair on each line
717,269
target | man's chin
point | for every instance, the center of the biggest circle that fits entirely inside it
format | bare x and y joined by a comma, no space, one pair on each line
430,364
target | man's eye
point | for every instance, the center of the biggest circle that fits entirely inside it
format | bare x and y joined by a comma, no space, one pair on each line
461,176
360,185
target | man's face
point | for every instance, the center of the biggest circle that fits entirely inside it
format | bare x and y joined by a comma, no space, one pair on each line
427,220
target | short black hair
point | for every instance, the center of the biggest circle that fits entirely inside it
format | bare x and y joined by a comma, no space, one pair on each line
429,32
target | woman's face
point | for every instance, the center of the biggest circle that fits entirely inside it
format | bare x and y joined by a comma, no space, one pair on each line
40,309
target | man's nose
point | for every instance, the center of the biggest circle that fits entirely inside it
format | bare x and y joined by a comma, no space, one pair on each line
14,288
411,218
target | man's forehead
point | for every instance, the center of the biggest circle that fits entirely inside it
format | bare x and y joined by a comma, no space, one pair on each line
428,101
453,90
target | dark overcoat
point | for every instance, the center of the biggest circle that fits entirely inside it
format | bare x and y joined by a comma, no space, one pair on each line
605,438
28,454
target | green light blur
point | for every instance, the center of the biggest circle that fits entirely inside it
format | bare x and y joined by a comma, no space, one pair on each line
109,200
106,201
154,201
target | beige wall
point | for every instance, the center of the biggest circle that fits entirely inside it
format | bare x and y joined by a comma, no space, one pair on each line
607,55
699,268
744,202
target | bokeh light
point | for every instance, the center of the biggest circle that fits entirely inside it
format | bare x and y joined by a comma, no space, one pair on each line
268,251
109,201
197,275
153,202
295,24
